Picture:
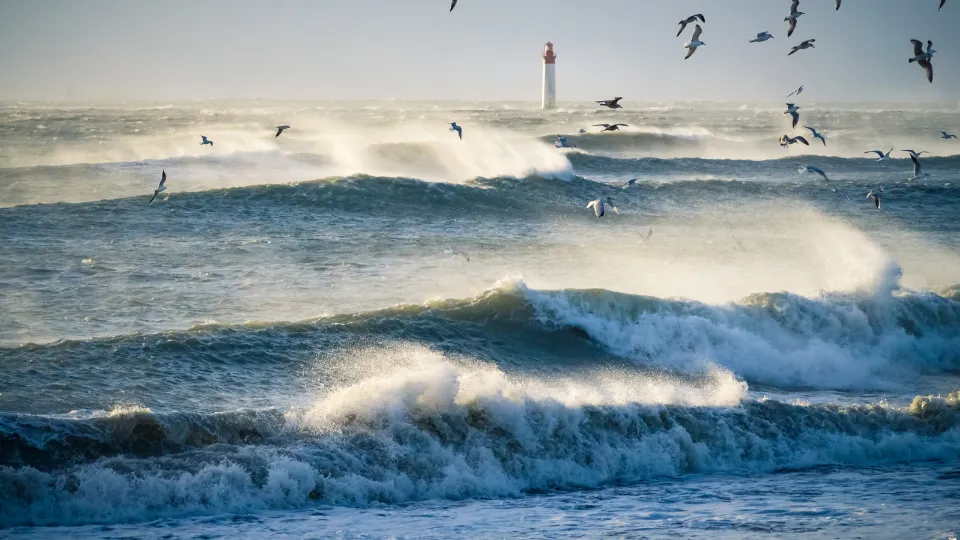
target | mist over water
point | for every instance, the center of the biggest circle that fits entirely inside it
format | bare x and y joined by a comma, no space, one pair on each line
368,312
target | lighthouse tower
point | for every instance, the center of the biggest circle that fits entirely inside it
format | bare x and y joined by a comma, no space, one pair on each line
549,77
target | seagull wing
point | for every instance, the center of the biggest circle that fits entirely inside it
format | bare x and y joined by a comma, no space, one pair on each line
697,32
615,100
690,51
801,139
793,26
701,17
453,4
838,4
942,2
927,68
154,197
683,24
916,165
796,118
917,47
624,125
279,131
820,172
163,179
794,7
602,125
877,152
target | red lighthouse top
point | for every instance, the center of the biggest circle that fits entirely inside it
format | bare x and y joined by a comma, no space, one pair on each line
548,56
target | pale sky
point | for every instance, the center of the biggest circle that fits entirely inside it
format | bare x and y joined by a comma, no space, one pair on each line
484,50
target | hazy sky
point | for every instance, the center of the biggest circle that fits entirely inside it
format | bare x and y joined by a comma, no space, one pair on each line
485,49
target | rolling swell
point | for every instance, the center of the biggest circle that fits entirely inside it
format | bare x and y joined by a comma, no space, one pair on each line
450,433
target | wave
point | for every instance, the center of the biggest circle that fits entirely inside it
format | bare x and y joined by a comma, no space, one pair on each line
441,430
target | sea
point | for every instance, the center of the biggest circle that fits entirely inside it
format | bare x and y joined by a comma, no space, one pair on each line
369,328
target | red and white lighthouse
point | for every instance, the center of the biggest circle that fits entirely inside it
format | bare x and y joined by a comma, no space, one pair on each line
549,77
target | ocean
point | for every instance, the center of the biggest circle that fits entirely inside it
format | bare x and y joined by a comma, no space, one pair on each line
369,328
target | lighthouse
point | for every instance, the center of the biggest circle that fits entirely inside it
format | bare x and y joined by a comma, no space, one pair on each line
549,77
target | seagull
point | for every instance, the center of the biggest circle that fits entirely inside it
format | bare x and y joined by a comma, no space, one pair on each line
794,14
611,103
645,237
453,4
808,44
811,169
945,135
817,135
761,37
792,111
600,206
629,183
875,195
691,19
694,43
206,141
917,169
609,127
915,153
280,130
561,142
458,129
796,92
160,187
880,153
787,140
942,2
923,58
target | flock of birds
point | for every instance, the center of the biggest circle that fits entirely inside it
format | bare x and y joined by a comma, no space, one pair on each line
923,58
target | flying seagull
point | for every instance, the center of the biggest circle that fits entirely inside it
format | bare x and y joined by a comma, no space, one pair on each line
817,135
458,129
787,140
917,169
280,130
880,154
453,4
761,37
875,195
811,169
792,111
694,43
206,141
609,127
792,19
808,44
914,153
629,183
691,19
160,187
923,58
838,5
600,206
796,92
611,103
945,135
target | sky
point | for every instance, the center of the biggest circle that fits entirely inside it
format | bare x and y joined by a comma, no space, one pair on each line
82,50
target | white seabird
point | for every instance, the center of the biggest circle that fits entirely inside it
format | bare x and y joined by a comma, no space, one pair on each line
761,37
792,110
875,195
802,169
817,135
794,15
797,92
923,58
787,140
205,141
808,44
880,154
609,127
611,103
458,129
694,43
691,19
945,135
600,206
914,153
160,187
280,130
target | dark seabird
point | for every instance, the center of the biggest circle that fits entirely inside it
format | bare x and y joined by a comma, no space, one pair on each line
808,44
600,206
787,140
458,129
205,140
611,103
811,169
160,187
761,37
817,135
280,130
694,43
609,127
691,19
880,154
796,92
945,135
792,111
914,153
792,19
923,58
